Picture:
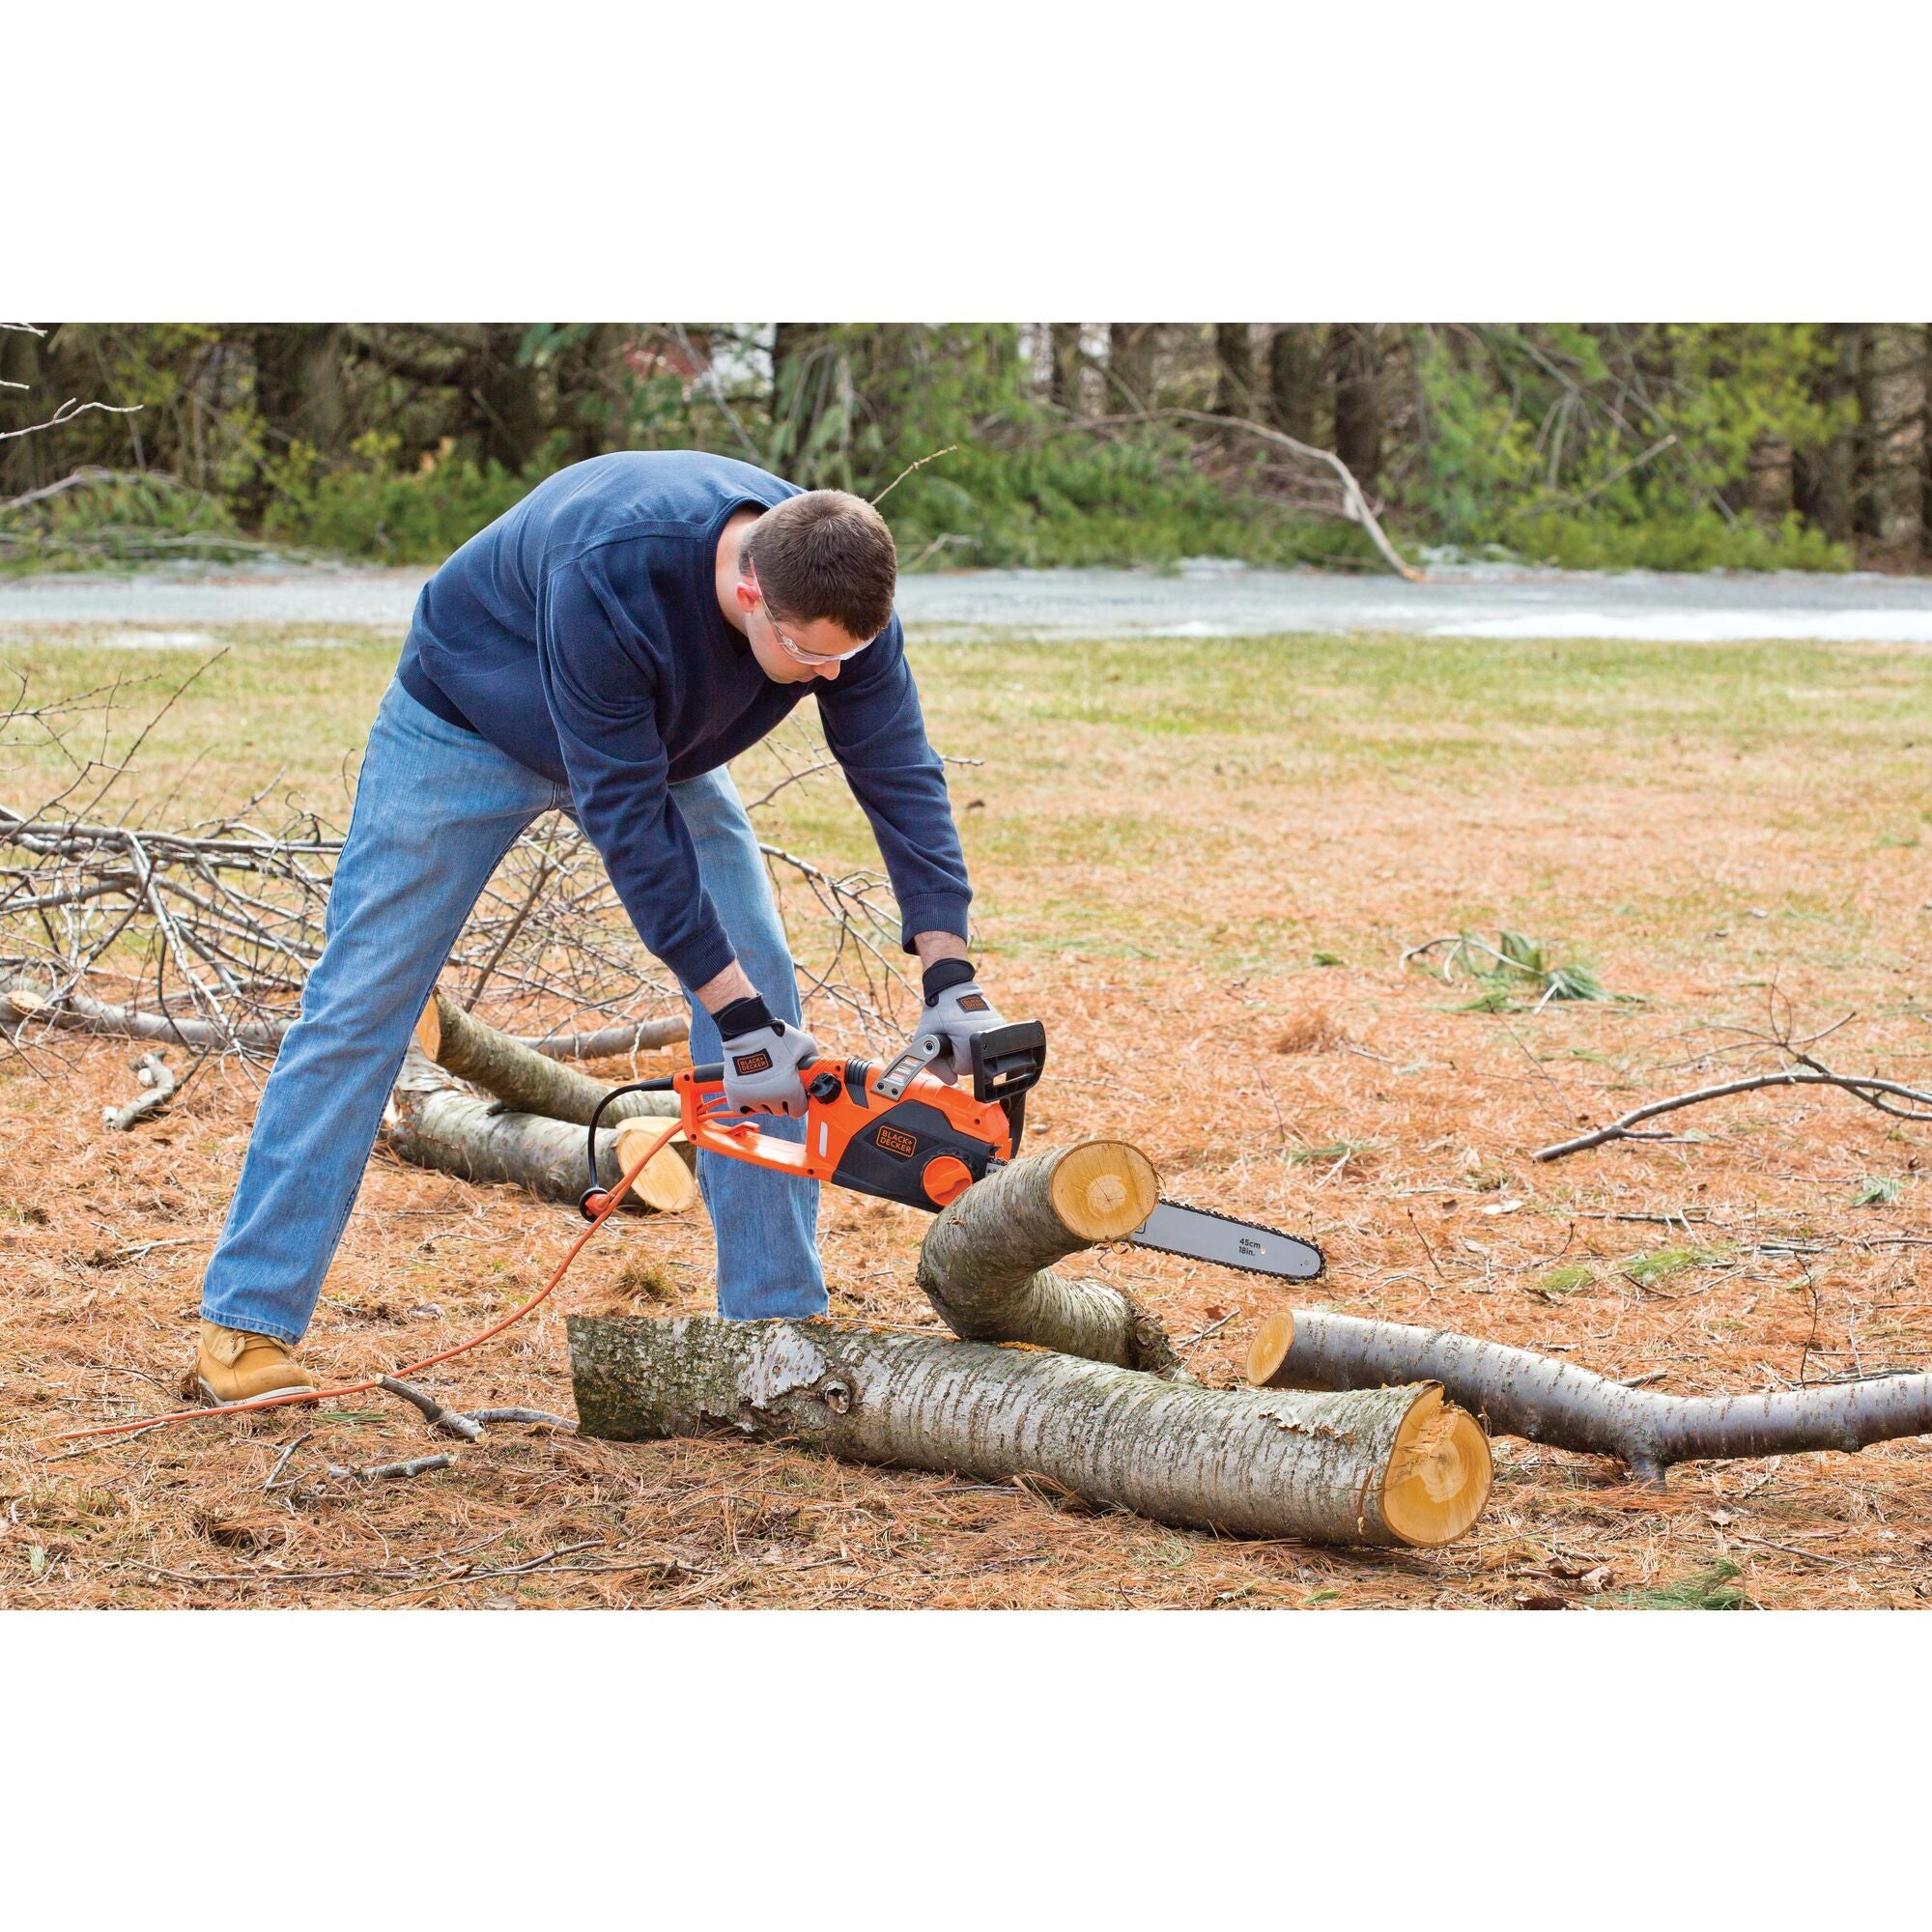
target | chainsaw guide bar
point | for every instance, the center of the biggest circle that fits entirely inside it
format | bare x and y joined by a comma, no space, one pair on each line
1201,1235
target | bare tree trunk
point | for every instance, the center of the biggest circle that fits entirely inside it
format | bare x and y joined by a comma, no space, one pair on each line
1234,369
1770,484
1131,348
432,1123
1355,363
1063,382
985,1264
503,393
1294,377
520,1077
1891,447
1519,1393
300,394
1382,1467
1823,478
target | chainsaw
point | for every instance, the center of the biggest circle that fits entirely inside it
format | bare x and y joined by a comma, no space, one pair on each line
902,1134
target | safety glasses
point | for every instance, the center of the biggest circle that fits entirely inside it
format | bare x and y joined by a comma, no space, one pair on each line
812,658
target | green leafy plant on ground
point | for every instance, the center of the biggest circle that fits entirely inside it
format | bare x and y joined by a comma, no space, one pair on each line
1878,1190
1511,971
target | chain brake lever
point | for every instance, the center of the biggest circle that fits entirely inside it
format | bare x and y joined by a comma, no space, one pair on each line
918,1054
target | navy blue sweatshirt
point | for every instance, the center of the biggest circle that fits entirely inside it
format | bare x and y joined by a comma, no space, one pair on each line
581,633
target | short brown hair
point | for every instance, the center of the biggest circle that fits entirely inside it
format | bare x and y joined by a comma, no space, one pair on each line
826,553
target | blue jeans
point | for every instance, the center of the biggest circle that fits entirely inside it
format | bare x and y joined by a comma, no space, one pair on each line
436,809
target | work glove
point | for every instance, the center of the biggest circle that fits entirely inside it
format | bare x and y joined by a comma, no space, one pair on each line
956,1009
762,1056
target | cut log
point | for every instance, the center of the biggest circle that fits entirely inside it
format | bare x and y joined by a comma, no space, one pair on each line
1373,1466
985,1264
525,1080
1520,1393
432,1123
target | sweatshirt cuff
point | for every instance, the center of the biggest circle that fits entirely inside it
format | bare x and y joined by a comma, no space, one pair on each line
936,911
701,960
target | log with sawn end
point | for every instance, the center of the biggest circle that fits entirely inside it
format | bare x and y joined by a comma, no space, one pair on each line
987,1262
1393,1467
529,1082
433,1122
1520,1393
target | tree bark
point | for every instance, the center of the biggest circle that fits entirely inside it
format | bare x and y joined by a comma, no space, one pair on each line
1519,1393
1891,443
432,1123
520,1077
1064,382
985,1264
505,412
1131,348
1234,369
1823,478
1770,480
1383,1468
1354,367
1294,377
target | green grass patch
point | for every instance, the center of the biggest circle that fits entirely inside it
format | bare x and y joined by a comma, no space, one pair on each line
1662,1263
1567,1279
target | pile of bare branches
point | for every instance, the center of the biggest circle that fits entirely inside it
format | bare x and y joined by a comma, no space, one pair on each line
115,920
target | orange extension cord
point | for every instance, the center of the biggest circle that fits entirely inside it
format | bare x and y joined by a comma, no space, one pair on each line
516,1315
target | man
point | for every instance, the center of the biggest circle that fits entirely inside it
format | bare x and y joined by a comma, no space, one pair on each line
604,647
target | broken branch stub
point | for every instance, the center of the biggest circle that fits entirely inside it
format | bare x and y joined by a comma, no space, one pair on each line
985,1264
1373,1466
1520,1393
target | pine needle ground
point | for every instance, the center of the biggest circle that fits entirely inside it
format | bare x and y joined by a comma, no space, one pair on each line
1200,865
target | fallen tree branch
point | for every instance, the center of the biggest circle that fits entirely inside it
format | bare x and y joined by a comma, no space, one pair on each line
420,1466
540,1418
985,1264
433,1122
608,1042
1354,504
75,1011
1520,1393
161,1085
1865,1089
449,1420
1373,1466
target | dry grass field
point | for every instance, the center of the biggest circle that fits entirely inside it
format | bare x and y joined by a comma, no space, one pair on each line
1200,864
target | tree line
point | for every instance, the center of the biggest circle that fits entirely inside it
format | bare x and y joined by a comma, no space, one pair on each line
1629,443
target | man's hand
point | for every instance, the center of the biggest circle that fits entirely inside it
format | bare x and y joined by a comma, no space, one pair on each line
957,1009
762,1056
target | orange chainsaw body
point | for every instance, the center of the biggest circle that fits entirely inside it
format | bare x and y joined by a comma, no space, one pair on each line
925,1148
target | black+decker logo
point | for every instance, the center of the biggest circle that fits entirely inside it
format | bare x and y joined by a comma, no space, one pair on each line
972,1003
752,1063
894,1141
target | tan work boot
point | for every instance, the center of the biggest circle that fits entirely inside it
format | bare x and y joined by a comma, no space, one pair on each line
235,1366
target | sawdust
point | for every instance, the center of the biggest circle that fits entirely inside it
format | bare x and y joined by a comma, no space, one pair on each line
1652,864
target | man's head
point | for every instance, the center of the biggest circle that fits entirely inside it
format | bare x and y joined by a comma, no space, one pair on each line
815,581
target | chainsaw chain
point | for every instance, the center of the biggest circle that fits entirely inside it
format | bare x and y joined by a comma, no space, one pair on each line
1234,1221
